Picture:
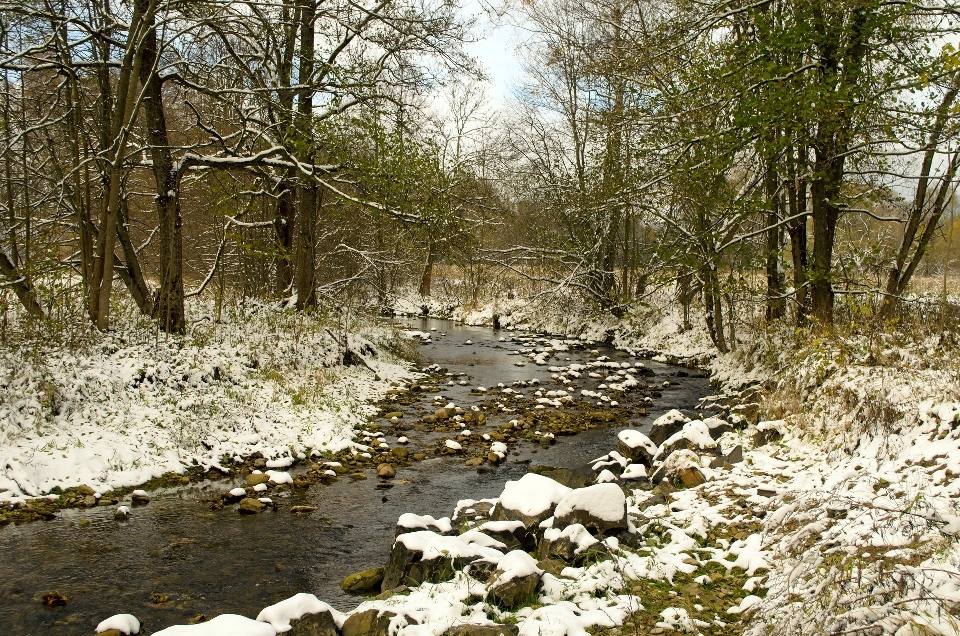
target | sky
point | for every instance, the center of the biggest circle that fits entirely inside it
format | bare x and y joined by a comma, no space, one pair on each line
495,51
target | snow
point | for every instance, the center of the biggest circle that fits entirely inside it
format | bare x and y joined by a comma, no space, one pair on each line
223,625
280,614
410,520
124,623
532,494
126,407
452,445
280,477
238,492
634,471
515,564
434,546
603,501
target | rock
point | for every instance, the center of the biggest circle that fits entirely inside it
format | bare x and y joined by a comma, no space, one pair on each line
111,632
429,419
569,544
552,566
691,477
513,534
427,556
636,447
400,452
718,427
735,456
601,508
392,414
670,469
579,477
666,425
249,506
257,478
419,457
363,582
319,624
302,509
475,461
89,501
483,630
769,432
516,580
493,458
444,414
409,522
372,622
386,471
139,498
694,436
122,513
530,499
84,489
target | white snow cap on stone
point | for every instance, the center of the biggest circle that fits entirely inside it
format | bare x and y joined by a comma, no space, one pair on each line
532,494
605,477
410,520
124,623
433,546
297,606
137,493
281,462
636,439
515,564
223,625
670,417
603,501
634,471
238,492
695,431
577,534
453,445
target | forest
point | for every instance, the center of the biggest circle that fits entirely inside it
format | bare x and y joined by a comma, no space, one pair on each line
304,309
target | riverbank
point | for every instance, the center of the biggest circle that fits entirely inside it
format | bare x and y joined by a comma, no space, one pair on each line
116,410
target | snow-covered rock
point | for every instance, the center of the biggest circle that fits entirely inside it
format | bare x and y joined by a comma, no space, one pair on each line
530,499
602,507
636,447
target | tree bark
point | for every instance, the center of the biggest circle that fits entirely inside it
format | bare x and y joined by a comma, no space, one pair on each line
21,287
168,307
776,303
306,251
426,280
285,211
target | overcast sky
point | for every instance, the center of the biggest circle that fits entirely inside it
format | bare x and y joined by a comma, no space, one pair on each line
495,51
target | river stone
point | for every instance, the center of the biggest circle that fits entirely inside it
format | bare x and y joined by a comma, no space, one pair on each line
579,477
253,479
666,425
483,630
515,591
429,419
400,452
249,506
636,447
474,461
718,426
89,501
139,500
386,471
84,489
531,499
111,632
392,414
372,622
691,477
601,508
362,582
319,624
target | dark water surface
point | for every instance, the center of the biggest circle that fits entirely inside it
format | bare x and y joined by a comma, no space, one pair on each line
213,562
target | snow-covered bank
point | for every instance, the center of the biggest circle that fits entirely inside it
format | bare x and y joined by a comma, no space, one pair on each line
127,406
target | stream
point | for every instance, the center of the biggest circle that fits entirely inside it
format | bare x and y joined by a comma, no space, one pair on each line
175,558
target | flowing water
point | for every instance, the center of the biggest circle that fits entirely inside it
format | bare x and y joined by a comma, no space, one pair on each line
195,560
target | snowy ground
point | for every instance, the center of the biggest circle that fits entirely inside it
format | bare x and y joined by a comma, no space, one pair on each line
127,406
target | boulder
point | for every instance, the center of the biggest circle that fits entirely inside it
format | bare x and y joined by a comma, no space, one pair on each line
666,425
530,499
569,477
636,447
515,581
250,506
691,476
257,478
372,622
676,462
694,436
512,534
601,508
769,432
483,630
363,582
718,427
427,556
444,414
569,545
400,452
386,471
300,615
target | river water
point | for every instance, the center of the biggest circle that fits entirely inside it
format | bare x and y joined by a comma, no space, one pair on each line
195,560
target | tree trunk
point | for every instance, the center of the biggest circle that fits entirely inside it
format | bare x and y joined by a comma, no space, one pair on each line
713,307
306,251
133,278
168,308
797,202
21,287
824,190
285,211
426,279
776,303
